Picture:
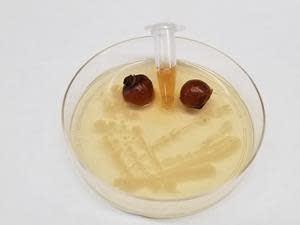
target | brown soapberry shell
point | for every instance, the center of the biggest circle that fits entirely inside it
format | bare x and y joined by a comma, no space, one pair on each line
138,89
195,93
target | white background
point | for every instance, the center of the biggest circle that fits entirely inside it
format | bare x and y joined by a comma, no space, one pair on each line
42,44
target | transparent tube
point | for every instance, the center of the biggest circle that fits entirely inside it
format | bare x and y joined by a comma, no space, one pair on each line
165,58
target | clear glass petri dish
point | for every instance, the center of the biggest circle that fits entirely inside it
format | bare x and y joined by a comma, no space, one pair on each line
139,49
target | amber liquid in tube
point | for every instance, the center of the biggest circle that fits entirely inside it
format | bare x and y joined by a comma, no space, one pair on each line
165,59
166,80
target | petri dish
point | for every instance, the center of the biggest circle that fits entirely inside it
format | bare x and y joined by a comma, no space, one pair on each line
140,190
